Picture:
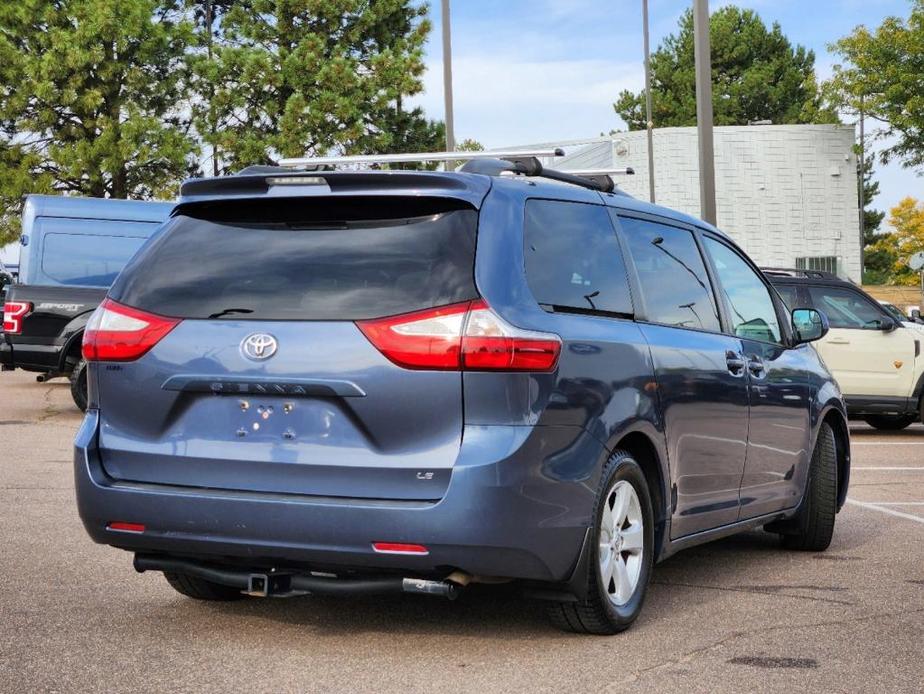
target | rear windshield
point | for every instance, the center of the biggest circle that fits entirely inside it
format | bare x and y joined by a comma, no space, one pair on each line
310,259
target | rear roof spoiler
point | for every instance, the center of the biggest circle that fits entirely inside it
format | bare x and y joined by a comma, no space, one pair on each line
273,182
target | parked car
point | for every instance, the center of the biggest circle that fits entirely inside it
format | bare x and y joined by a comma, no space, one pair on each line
72,250
901,317
875,358
348,394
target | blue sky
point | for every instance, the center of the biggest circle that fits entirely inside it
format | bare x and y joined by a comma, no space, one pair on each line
539,70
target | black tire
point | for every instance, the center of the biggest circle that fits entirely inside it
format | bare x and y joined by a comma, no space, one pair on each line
811,530
597,613
78,379
200,589
890,422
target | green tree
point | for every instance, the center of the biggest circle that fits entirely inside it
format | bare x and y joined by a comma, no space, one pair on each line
876,262
872,218
296,77
756,75
91,97
206,16
399,130
883,76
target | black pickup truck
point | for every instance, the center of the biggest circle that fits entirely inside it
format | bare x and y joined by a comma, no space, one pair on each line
43,331
72,249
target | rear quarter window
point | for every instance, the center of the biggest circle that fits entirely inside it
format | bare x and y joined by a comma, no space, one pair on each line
573,259
306,259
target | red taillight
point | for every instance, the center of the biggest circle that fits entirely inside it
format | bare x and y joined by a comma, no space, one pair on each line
121,333
430,339
491,344
467,336
13,313
399,548
124,527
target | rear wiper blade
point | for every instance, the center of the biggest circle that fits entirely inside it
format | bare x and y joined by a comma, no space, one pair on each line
230,311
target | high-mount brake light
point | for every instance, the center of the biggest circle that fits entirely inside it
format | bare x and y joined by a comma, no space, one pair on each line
13,313
122,333
467,336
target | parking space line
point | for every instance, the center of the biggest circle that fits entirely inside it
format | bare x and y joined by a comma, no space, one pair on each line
896,503
889,511
885,467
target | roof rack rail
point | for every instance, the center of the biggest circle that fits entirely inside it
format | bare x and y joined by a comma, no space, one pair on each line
415,157
490,163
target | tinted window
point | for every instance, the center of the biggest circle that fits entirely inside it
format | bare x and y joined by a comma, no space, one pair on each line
330,259
672,274
85,260
753,315
846,308
789,294
894,311
573,258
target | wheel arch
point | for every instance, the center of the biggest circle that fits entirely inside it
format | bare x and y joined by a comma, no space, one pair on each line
70,349
838,423
74,331
643,449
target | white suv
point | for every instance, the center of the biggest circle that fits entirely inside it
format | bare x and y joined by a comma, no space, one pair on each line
875,358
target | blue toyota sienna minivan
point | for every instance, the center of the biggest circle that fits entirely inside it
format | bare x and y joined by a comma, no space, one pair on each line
370,382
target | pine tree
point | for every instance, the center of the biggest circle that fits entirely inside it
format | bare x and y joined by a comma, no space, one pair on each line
299,77
757,75
92,96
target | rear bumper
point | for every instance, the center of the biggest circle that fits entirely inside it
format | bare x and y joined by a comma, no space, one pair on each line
518,506
28,357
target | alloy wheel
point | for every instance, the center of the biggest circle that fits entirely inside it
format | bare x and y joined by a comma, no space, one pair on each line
622,543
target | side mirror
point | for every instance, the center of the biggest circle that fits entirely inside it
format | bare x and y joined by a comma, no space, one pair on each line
887,324
809,325
915,314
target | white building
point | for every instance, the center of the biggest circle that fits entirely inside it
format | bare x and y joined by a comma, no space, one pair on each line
786,193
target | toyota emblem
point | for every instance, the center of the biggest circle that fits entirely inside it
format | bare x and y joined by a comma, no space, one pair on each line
259,346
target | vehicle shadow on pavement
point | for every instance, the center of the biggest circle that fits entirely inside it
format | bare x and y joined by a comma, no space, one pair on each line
742,563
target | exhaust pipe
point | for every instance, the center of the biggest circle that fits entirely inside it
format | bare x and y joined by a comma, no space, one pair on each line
421,586
287,584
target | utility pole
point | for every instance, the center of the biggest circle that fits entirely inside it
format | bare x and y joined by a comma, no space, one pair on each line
649,123
208,45
703,60
862,192
447,78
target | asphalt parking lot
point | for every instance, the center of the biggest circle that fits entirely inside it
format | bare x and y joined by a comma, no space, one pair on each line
737,615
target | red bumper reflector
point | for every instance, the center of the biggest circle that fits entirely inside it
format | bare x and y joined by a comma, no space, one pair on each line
399,548
125,527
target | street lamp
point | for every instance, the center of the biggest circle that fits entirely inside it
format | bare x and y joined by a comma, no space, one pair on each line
649,124
447,77
703,62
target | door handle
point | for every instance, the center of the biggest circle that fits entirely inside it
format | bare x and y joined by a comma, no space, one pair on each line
838,341
734,362
756,366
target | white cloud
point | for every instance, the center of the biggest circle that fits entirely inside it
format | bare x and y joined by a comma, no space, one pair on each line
506,100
